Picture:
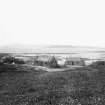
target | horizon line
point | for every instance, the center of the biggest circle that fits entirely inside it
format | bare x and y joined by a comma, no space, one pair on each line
50,45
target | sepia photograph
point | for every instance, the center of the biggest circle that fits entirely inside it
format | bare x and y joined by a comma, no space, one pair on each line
52,52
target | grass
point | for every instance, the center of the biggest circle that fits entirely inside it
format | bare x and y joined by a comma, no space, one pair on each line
26,86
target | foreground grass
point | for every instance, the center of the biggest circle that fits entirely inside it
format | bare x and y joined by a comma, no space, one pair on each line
84,86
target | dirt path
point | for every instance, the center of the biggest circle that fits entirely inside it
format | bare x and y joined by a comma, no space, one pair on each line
52,69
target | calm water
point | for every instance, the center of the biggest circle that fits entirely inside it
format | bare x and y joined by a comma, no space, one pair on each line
88,55
83,52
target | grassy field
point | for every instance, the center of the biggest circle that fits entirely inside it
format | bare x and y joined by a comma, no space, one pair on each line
22,85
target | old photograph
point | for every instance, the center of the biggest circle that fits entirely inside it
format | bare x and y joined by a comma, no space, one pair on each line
52,52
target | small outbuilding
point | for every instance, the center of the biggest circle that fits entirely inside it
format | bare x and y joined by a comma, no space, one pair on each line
74,61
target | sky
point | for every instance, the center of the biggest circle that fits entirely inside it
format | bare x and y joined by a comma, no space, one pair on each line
52,22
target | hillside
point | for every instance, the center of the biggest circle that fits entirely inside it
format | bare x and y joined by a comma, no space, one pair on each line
85,86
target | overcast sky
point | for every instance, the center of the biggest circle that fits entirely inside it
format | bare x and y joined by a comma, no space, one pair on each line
52,22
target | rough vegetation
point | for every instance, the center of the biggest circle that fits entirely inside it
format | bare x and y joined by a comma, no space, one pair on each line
27,86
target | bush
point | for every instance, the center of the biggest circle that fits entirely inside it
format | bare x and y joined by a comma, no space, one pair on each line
8,59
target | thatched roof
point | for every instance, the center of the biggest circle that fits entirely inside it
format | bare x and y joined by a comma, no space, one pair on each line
45,58
74,59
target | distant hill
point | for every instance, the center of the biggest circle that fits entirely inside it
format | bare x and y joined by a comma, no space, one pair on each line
48,49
